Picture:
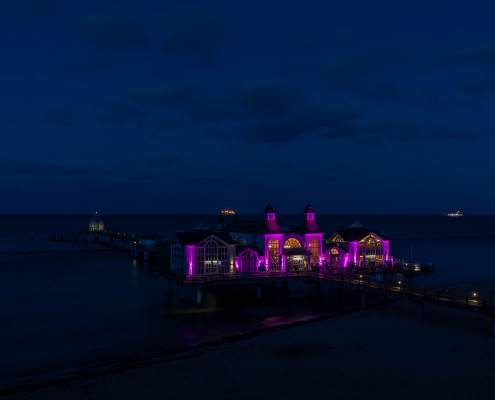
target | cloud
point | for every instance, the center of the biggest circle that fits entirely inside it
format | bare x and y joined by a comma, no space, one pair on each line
415,96
60,117
328,124
164,162
481,88
270,100
115,33
482,55
120,114
131,116
390,131
350,74
15,167
194,33
166,97
192,102
44,11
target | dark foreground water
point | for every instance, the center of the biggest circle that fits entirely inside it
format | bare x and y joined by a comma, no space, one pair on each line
63,310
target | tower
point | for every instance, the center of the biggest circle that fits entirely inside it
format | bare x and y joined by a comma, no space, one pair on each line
309,214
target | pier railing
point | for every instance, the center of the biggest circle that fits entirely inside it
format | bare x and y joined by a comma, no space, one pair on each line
360,280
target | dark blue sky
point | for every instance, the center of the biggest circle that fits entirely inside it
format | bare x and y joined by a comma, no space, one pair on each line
181,106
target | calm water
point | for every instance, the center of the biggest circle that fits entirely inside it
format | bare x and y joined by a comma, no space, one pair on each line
63,310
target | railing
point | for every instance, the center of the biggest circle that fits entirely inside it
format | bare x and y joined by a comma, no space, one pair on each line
360,280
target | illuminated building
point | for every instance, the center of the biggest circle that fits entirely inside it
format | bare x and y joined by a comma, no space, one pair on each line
360,246
243,246
96,224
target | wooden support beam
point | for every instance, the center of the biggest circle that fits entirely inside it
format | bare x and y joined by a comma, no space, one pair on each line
421,310
259,293
364,299
199,296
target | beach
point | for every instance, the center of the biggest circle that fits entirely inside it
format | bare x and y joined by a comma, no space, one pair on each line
383,352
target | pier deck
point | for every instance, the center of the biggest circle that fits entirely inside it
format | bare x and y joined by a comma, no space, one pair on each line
360,280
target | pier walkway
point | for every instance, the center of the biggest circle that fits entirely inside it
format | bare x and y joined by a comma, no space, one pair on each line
360,279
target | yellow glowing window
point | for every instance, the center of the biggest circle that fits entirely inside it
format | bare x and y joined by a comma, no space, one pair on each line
292,243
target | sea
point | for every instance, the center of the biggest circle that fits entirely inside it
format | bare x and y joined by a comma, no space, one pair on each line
64,307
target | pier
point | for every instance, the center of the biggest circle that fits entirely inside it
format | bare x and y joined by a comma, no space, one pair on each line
392,281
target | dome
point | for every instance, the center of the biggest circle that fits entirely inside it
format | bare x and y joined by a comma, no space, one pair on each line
96,223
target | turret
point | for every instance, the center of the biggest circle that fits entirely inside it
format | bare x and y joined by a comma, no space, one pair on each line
271,218
310,219
309,213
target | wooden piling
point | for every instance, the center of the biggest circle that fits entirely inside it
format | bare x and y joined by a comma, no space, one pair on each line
199,296
420,306
363,299
259,293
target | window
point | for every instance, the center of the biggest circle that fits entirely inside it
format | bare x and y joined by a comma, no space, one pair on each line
371,249
211,258
273,251
314,250
337,239
292,243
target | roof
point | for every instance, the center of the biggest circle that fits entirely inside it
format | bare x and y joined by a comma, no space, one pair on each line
308,208
196,236
331,245
95,219
241,248
246,226
269,208
355,233
308,227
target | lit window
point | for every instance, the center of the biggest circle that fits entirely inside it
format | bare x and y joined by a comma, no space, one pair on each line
292,243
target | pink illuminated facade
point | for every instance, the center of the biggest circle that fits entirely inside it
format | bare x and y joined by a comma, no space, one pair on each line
251,247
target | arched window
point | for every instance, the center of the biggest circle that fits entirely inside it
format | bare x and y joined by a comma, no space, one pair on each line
273,252
292,243
314,250
211,257
371,249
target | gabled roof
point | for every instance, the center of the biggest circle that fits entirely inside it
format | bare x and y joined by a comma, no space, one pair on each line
355,233
246,226
242,248
331,245
197,236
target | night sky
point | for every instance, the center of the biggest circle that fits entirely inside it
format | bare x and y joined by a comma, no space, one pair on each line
178,106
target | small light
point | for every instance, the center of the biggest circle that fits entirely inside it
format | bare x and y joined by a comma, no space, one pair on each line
475,294
399,283
360,276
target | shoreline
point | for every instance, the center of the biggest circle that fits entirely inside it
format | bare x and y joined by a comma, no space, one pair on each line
29,384
381,352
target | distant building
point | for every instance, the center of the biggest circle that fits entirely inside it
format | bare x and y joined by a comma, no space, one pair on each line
96,223
265,246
